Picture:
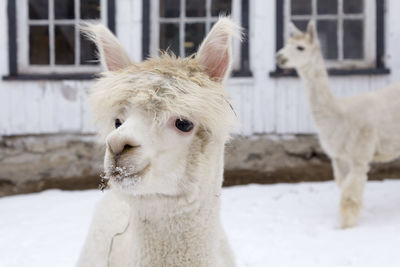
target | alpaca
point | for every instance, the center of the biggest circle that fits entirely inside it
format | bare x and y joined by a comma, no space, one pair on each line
354,131
164,123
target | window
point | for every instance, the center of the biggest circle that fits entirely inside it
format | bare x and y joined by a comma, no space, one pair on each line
181,25
350,31
47,40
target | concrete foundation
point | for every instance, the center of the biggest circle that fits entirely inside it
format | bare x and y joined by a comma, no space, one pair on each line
35,163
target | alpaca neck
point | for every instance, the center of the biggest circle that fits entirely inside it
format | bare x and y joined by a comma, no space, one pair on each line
181,230
322,102
186,239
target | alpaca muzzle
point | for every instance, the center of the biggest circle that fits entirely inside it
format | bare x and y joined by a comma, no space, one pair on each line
281,60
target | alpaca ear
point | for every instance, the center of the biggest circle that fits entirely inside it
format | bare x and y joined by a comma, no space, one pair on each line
312,31
112,55
215,53
293,30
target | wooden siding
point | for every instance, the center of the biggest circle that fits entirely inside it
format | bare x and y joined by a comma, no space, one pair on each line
263,104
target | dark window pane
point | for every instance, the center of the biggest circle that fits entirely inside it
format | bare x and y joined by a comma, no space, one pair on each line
64,9
194,34
195,8
301,7
327,33
212,25
38,9
64,45
221,7
353,39
169,37
90,9
169,8
39,45
301,24
88,52
327,6
353,6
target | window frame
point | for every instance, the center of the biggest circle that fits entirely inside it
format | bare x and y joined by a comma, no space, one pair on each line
152,20
16,46
377,64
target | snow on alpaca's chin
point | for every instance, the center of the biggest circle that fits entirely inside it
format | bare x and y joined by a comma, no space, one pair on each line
148,180
125,179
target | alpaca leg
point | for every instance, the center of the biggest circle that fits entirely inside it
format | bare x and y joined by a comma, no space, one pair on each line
225,258
362,144
352,194
340,170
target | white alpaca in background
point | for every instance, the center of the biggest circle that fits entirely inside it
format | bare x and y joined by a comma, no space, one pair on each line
165,122
354,131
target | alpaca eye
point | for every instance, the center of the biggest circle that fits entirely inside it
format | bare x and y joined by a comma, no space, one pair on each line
117,123
184,125
300,48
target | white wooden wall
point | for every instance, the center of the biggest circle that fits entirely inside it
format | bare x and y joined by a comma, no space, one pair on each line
264,104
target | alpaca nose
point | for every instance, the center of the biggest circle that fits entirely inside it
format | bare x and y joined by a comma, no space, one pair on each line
121,144
280,59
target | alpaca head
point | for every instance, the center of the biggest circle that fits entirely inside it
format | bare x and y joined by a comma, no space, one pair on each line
299,48
157,117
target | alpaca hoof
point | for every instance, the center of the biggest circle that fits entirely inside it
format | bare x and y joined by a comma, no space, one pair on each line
349,212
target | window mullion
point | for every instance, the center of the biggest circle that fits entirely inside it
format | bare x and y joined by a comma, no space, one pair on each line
51,33
327,16
314,10
77,35
155,35
182,28
39,22
188,20
340,30
208,15
103,14
287,19
364,42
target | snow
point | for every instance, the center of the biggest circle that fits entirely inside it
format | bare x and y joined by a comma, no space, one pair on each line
268,225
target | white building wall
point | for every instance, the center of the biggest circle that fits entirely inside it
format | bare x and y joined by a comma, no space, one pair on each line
263,104
45,107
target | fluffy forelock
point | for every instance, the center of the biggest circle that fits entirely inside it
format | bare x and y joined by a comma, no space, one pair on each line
164,86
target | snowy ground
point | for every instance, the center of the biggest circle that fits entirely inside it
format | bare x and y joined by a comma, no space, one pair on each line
270,225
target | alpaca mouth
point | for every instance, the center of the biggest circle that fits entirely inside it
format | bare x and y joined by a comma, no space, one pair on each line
123,175
281,60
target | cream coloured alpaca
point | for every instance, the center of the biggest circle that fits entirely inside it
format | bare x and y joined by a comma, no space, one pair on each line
165,123
354,131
